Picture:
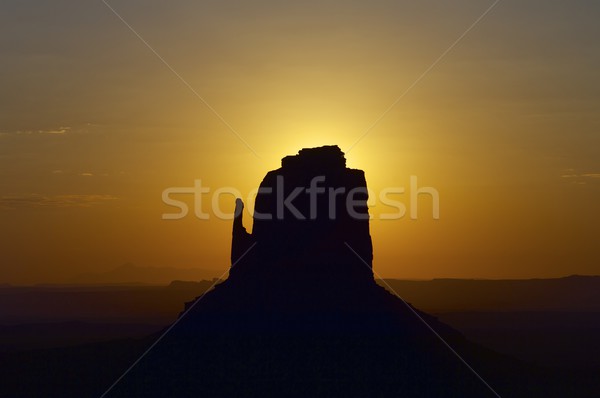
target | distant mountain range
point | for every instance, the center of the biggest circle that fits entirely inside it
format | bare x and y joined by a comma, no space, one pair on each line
150,304
133,274
571,293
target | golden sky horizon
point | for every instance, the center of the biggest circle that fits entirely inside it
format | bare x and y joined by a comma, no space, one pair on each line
498,112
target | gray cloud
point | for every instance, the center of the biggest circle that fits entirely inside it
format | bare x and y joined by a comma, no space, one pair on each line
85,128
52,201
579,178
53,131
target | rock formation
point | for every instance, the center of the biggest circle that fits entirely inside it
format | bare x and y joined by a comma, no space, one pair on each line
300,314
311,221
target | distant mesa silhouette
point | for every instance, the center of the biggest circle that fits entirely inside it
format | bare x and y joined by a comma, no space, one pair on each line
301,314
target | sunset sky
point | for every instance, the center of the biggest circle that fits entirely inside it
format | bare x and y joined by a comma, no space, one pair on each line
504,121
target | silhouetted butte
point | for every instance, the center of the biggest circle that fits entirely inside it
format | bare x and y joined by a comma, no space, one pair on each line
300,314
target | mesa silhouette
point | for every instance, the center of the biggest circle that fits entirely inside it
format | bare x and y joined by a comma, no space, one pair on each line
311,222
301,314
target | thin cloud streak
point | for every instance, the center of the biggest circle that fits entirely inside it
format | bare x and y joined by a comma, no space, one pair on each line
63,130
52,201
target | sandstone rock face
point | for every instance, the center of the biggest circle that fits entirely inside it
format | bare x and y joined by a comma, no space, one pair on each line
311,221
